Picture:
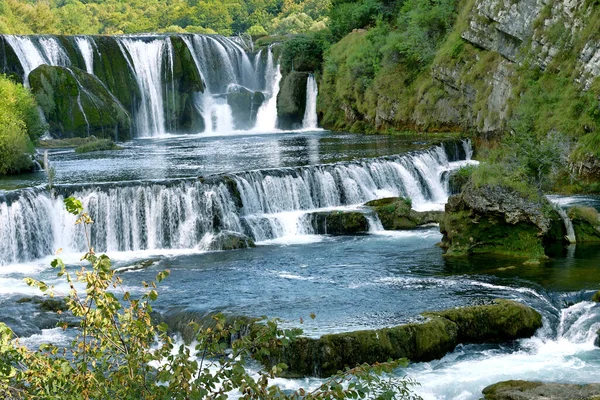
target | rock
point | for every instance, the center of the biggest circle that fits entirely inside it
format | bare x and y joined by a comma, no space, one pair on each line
443,331
228,240
395,213
586,223
499,220
597,340
77,104
244,107
291,101
46,304
499,322
339,222
524,390
596,297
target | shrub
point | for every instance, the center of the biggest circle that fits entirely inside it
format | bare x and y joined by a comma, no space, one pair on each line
97,145
302,53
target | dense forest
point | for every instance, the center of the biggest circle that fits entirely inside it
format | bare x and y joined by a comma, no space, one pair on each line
112,17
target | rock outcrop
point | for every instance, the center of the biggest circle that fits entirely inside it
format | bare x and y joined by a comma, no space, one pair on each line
499,220
395,213
228,240
339,222
524,390
586,223
291,101
77,104
444,330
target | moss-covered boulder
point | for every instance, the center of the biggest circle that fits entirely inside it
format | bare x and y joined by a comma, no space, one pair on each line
499,322
524,390
77,104
182,81
596,297
426,341
339,222
586,223
395,213
228,240
499,220
244,107
291,101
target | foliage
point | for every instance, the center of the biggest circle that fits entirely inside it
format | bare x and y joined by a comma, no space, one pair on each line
119,352
345,16
97,145
134,16
20,126
302,53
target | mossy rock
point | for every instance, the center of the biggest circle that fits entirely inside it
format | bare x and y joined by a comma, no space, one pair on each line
339,222
77,104
291,101
97,145
586,223
227,240
46,304
498,322
524,390
182,78
499,220
395,213
596,297
244,107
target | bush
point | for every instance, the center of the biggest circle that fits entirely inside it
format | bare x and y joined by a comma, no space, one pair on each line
20,127
345,16
303,53
121,353
97,145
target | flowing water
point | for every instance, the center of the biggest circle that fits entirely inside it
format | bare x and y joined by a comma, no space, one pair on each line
165,198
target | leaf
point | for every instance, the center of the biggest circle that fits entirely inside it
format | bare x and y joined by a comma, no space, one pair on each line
73,205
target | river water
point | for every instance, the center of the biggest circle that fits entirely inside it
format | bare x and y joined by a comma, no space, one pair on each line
352,282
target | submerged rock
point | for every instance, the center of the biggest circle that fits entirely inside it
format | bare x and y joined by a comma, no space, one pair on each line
77,104
339,222
524,390
498,322
499,220
586,223
395,213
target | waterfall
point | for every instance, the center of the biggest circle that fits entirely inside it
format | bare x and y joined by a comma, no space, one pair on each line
570,236
310,120
146,64
266,119
86,50
178,214
34,51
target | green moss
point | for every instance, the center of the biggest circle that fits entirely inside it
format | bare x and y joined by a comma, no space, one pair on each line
586,223
97,145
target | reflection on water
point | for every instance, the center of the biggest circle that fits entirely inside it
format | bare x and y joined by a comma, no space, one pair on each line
192,156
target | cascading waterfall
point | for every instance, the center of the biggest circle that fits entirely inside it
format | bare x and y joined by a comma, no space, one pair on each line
34,51
85,46
310,120
266,119
263,204
147,59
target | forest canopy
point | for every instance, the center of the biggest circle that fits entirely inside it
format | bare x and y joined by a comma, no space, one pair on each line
226,17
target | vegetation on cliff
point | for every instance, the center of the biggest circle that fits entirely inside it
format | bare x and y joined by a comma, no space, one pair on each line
20,127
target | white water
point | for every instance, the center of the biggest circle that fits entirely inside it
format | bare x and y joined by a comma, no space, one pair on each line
264,204
147,57
85,48
310,120
266,119
28,54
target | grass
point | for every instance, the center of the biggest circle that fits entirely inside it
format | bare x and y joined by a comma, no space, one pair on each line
97,145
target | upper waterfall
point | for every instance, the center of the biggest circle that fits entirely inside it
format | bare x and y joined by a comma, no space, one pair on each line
154,78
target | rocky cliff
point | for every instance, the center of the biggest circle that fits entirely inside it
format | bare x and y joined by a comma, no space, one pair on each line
499,57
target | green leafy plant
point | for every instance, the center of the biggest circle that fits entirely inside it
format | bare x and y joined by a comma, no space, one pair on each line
119,352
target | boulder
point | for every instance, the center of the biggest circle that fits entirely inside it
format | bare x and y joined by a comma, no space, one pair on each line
395,213
77,104
244,107
291,101
586,223
498,322
524,390
228,240
499,220
596,297
339,222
